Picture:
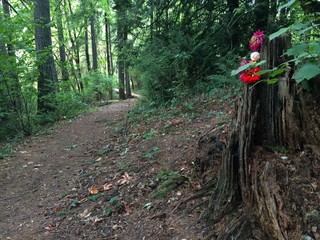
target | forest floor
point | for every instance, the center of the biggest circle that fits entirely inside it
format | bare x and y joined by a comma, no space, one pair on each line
104,175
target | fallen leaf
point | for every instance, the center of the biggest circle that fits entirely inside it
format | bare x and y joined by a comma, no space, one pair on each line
127,209
107,186
93,190
124,179
85,214
176,121
52,226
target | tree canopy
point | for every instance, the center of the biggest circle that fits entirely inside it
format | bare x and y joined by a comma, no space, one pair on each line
167,48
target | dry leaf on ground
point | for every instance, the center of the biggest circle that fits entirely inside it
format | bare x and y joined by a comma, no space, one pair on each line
93,190
124,179
107,186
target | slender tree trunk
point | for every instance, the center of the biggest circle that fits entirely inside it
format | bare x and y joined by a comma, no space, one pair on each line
16,88
108,45
120,41
94,43
127,80
235,36
75,49
151,19
47,73
62,48
86,45
261,12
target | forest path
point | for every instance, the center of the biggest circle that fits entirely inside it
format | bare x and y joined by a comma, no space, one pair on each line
45,167
104,175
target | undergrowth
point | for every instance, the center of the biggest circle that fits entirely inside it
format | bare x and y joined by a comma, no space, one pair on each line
187,106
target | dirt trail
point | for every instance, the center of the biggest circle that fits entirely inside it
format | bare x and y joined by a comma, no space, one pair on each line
98,177
45,167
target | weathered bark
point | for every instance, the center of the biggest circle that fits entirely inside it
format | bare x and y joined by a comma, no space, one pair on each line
94,42
127,80
266,115
86,47
108,45
62,47
75,56
47,73
120,41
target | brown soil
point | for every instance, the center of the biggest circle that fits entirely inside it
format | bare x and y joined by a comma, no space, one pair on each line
103,176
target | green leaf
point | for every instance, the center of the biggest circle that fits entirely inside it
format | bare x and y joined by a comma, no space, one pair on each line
74,203
298,26
277,72
287,5
242,68
278,33
247,66
266,71
306,72
272,81
305,30
297,49
260,63
95,197
314,48
113,200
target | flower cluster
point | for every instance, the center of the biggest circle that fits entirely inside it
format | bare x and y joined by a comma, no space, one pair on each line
252,75
255,43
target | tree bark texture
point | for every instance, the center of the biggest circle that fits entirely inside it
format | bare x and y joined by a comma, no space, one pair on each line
62,47
86,47
12,76
75,55
47,72
94,43
120,42
108,45
266,116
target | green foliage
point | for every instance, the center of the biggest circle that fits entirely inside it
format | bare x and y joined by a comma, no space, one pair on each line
151,153
98,87
68,104
305,52
95,197
112,205
169,180
306,72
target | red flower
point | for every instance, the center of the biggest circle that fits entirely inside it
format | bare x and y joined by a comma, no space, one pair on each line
251,76
256,40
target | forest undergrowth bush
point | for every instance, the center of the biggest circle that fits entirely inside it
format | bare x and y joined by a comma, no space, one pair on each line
66,103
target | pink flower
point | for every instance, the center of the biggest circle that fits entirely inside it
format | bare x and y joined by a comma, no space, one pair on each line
256,40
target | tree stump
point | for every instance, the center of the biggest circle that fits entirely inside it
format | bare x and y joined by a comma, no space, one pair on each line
268,116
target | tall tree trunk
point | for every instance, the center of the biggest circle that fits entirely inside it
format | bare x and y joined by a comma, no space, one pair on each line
108,45
266,115
120,42
261,12
75,48
94,42
47,73
62,48
16,88
234,25
127,80
86,47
